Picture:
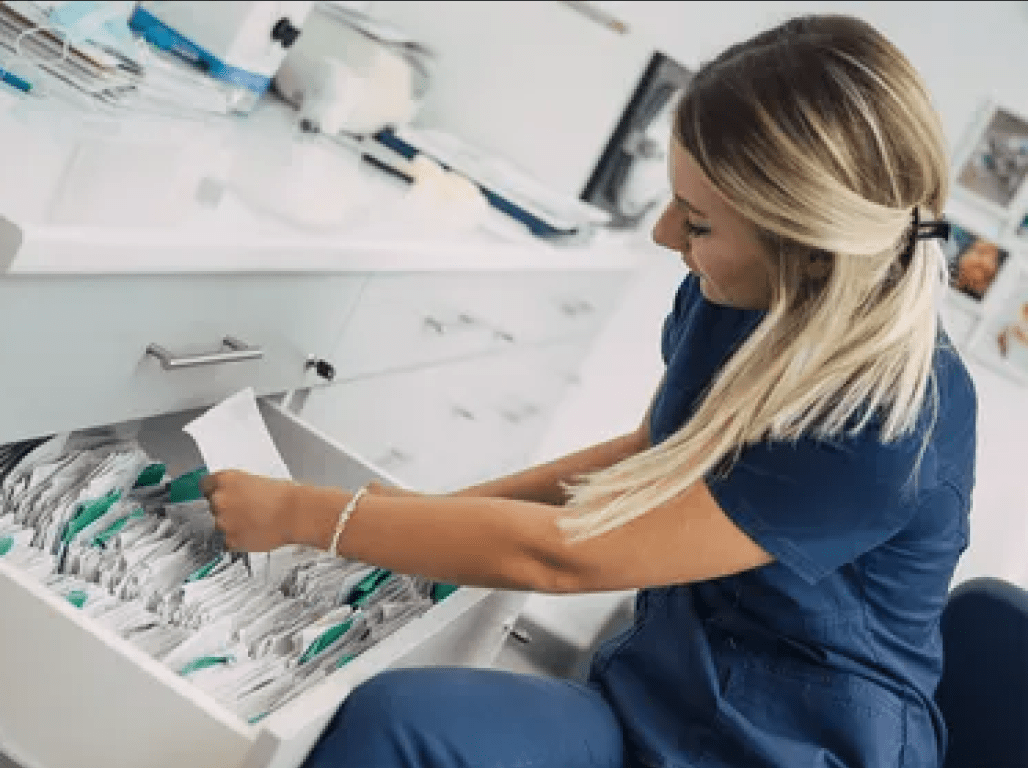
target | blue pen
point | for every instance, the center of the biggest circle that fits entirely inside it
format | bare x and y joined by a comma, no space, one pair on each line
13,80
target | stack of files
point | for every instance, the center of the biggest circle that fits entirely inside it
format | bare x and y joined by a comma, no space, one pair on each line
152,81
26,31
167,82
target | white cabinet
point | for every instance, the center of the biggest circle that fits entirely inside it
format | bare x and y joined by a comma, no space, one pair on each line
74,349
105,325
406,320
445,380
439,427
77,694
75,355
78,352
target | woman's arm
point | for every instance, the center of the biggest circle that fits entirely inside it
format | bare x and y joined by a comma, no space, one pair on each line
486,542
504,533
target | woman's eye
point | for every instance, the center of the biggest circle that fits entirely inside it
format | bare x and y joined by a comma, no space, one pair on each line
695,230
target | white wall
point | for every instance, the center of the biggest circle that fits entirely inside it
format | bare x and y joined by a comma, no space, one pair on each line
965,51
535,82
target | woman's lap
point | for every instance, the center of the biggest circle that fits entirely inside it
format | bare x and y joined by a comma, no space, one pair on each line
440,717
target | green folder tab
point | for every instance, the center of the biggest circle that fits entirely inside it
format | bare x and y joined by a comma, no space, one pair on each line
88,513
442,591
151,475
203,662
367,586
325,639
102,538
186,487
203,571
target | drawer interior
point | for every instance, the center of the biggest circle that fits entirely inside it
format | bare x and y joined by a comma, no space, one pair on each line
87,696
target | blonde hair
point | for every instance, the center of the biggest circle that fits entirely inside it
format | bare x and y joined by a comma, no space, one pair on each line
823,136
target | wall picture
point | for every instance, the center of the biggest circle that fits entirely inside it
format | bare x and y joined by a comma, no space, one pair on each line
974,261
1001,341
995,169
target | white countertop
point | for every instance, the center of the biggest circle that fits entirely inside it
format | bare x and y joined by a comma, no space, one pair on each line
84,193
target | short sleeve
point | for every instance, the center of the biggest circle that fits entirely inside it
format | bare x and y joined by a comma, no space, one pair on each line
815,505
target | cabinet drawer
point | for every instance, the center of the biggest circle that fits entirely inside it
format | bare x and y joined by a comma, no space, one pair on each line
440,427
75,349
80,695
406,320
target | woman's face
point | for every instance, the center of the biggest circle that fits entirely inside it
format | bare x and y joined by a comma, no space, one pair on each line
715,241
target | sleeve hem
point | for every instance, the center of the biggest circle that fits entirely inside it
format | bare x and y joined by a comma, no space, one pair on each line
782,550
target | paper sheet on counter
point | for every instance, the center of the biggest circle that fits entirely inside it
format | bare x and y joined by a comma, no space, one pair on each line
233,435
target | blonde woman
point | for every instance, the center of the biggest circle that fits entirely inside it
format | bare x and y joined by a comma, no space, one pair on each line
791,507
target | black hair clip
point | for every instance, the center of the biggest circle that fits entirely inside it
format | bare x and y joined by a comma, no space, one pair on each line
927,230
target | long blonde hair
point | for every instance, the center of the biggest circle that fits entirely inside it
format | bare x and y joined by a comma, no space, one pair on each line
823,136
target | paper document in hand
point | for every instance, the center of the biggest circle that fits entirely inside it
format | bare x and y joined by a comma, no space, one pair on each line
232,435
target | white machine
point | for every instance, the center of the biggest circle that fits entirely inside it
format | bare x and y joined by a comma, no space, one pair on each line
353,73
239,44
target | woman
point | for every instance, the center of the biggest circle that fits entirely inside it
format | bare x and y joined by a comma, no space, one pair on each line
791,507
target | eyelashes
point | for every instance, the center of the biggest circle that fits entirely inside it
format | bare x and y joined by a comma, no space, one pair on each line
693,230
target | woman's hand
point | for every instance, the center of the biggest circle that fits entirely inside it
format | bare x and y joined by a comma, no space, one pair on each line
256,514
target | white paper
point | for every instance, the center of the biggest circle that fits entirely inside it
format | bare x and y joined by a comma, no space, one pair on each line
233,435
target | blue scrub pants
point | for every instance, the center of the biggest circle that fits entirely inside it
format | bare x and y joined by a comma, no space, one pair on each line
440,717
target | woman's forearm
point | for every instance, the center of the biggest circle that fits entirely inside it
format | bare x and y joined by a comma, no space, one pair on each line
502,533
488,542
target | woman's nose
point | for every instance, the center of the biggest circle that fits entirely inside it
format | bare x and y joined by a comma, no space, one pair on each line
665,233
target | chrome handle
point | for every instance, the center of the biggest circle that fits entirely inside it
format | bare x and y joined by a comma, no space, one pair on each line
238,351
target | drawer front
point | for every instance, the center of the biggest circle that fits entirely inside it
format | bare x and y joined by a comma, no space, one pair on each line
89,697
75,349
440,427
407,320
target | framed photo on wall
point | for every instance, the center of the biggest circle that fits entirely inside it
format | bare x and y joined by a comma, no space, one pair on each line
992,170
1001,339
975,263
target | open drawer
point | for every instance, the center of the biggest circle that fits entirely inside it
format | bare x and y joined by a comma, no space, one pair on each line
77,694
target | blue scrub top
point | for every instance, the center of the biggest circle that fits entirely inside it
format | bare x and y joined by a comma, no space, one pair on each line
830,655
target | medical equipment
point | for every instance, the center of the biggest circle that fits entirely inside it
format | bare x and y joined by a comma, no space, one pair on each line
355,74
239,44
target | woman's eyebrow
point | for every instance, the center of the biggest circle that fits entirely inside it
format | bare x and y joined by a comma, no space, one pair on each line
689,205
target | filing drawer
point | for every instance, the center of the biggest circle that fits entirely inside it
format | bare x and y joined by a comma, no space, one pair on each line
74,349
444,426
407,320
77,694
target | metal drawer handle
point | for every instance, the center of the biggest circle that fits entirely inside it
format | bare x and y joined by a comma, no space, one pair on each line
237,352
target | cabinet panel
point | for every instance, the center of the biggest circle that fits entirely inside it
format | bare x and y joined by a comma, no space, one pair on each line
75,349
439,427
408,320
